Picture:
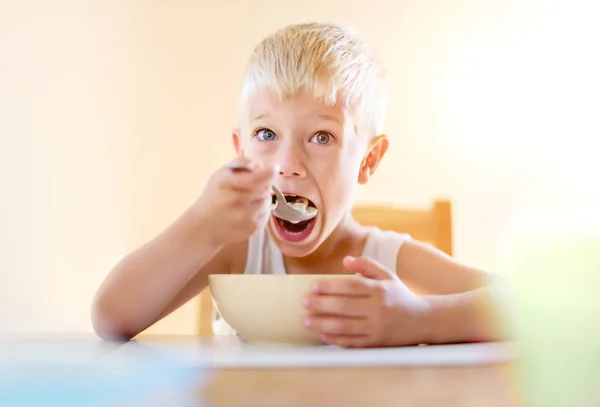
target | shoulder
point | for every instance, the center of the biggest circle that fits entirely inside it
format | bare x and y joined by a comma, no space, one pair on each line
384,236
384,245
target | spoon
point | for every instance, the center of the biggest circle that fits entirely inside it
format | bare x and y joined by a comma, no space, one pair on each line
287,211
283,211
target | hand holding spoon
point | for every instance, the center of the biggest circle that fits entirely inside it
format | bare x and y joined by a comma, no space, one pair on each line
283,210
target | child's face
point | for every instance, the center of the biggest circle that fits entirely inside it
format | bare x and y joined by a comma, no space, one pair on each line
321,158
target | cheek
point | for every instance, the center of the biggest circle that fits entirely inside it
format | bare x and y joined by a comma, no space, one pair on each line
338,179
348,167
259,151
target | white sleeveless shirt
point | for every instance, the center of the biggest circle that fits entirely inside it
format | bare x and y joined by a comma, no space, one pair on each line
264,257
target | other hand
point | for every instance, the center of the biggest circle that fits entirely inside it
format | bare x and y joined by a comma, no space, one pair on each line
372,309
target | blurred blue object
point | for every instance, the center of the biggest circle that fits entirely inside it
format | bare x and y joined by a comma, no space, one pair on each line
87,372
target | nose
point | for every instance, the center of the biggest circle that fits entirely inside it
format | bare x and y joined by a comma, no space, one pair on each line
291,162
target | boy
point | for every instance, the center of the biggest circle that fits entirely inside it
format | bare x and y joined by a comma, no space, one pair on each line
311,113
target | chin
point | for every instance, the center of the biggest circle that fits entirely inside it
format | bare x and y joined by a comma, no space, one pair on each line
295,240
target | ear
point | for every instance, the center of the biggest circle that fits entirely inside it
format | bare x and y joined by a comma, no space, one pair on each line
236,136
375,153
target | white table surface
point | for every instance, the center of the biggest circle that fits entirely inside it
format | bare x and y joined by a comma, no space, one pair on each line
232,352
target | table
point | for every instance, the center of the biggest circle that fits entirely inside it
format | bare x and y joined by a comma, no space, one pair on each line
487,384
381,387
222,372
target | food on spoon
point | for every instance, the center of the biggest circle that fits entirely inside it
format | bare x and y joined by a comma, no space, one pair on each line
300,204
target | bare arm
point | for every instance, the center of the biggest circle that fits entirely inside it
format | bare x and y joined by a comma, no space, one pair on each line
428,270
172,268
473,316
463,302
156,279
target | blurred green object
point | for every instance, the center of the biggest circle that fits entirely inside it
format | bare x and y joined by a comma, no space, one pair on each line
87,372
551,263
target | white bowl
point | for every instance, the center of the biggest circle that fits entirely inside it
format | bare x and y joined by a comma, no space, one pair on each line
266,308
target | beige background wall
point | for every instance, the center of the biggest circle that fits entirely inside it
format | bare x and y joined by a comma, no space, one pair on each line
113,114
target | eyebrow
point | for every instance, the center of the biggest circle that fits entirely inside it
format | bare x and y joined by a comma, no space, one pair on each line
260,116
331,118
321,115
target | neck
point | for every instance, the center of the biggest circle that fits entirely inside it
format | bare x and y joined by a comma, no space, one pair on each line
347,238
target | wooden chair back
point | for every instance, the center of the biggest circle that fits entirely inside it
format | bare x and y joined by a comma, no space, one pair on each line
433,225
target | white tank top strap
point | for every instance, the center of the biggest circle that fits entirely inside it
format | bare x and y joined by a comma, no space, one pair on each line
255,253
383,246
263,255
276,264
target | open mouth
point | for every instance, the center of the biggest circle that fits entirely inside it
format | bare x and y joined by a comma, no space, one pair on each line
296,231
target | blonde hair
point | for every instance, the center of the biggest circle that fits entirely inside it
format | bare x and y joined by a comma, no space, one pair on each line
329,62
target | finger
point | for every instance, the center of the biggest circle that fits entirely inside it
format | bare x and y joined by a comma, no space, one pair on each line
262,217
241,163
368,268
243,199
260,220
262,207
337,305
258,179
332,325
352,285
261,200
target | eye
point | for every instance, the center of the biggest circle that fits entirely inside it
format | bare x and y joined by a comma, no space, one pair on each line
322,138
266,135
